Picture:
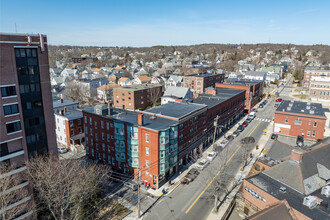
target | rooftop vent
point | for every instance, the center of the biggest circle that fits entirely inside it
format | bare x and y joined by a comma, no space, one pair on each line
302,110
153,117
292,101
311,112
326,191
283,189
308,103
290,104
288,108
310,202
308,107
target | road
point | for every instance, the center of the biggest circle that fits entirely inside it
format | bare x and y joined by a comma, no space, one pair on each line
196,200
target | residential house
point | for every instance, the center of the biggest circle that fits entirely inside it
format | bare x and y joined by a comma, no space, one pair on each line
176,94
124,81
144,79
174,80
104,92
255,75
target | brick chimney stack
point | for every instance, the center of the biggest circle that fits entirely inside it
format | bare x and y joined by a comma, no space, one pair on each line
140,119
296,155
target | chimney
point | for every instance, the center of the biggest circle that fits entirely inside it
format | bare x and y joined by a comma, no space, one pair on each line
61,99
109,108
140,119
64,109
296,155
61,112
196,95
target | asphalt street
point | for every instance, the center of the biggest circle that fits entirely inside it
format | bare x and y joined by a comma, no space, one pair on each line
196,200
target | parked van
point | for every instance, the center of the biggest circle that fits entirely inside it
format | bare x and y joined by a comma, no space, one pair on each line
131,185
252,115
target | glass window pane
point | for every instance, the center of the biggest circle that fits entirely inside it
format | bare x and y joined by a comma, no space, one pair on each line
28,52
17,53
34,52
22,52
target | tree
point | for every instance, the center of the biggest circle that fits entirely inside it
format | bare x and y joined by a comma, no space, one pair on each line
67,189
9,195
74,91
155,94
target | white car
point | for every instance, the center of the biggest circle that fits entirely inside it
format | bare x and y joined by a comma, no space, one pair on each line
211,155
202,164
62,150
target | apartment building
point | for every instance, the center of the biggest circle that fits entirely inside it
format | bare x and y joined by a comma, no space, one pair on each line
300,118
319,88
254,90
137,96
198,82
311,72
61,104
27,121
69,128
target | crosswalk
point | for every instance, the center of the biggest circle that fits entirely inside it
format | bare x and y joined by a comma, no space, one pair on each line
263,119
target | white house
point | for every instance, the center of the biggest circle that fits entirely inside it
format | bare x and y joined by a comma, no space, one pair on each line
124,81
255,75
172,94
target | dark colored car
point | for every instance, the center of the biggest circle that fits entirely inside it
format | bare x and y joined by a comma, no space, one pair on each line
190,176
240,128
261,105
248,120
248,140
274,136
279,100
245,123
300,141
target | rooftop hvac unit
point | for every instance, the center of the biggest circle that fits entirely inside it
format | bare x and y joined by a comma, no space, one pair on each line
290,104
292,100
311,112
308,103
310,202
308,107
288,108
326,191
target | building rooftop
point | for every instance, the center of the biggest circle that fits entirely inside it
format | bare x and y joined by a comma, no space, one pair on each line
149,121
139,87
177,92
202,75
63,103
279,211
71,114
298,107
242,82
176,110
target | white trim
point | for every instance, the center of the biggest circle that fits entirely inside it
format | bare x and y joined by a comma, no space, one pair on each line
13,172
24,216
19,42
7,97
15,132
15,204
36,47
20,34
10,140
11,155
14,188
7,85
12,121
12,115
13,103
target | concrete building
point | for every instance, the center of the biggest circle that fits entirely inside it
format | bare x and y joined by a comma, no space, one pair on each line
198,82
254,90
27,121
319,88
301,181
137,96
300,118
69,128
310,72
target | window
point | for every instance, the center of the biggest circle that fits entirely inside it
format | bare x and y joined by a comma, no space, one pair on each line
297,122
90,121
79,121
147,138
86,119
91,131
315,123
10,109
13,127
103,147
8,91
102,124
71,132
107,125
147,163
96,138
309,122
162,167
308,133
102,136
142,102
286,120
108,137
108,149
95,123
314,133
4,150
71,123
147,151
79,130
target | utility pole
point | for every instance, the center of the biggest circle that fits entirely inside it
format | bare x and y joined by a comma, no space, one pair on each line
138,172
215,130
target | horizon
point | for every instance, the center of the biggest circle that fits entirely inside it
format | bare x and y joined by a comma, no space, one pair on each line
183,23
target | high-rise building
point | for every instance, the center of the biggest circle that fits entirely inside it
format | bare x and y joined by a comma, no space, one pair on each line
27,126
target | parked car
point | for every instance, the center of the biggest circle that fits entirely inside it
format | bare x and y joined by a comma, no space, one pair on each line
202,164
236,133
248,120
300,141
240,128
265,102
245,123
276,105
190,176
248,140
62,150
254,110
131,185
261,105
279,100
274,136
252,115
211,155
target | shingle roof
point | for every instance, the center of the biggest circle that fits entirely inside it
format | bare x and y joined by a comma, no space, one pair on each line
279,211
143,78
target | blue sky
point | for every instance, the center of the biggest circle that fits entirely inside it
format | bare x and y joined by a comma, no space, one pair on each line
180,22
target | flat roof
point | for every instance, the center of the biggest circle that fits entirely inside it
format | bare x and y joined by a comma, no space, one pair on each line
138,87
176,110
243,82
202,75
57,104
294,198
298,107
71,114
149,121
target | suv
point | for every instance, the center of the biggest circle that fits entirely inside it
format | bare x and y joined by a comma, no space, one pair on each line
131,185
300,141
190,176
248,140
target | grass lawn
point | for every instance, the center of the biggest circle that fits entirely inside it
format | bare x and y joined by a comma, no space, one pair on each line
113,210
300,96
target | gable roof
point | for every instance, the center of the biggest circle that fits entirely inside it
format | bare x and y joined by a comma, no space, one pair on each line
143,78
179,92
279,211
123,79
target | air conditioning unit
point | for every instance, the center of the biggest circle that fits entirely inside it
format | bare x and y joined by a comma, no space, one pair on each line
326,191
310,202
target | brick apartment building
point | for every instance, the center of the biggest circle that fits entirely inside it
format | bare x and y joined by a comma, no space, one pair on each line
300,118
137,96
27,119
195,69
159,140
310,72
301,182
69,128
319,88
254,90
199,82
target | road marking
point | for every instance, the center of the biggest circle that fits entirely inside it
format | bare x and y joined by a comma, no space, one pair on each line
208,185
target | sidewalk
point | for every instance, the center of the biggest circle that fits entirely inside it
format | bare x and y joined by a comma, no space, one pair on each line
241,175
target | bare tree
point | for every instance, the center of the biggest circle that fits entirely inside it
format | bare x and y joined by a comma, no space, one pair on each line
155,94
67,189
11,192
74,91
